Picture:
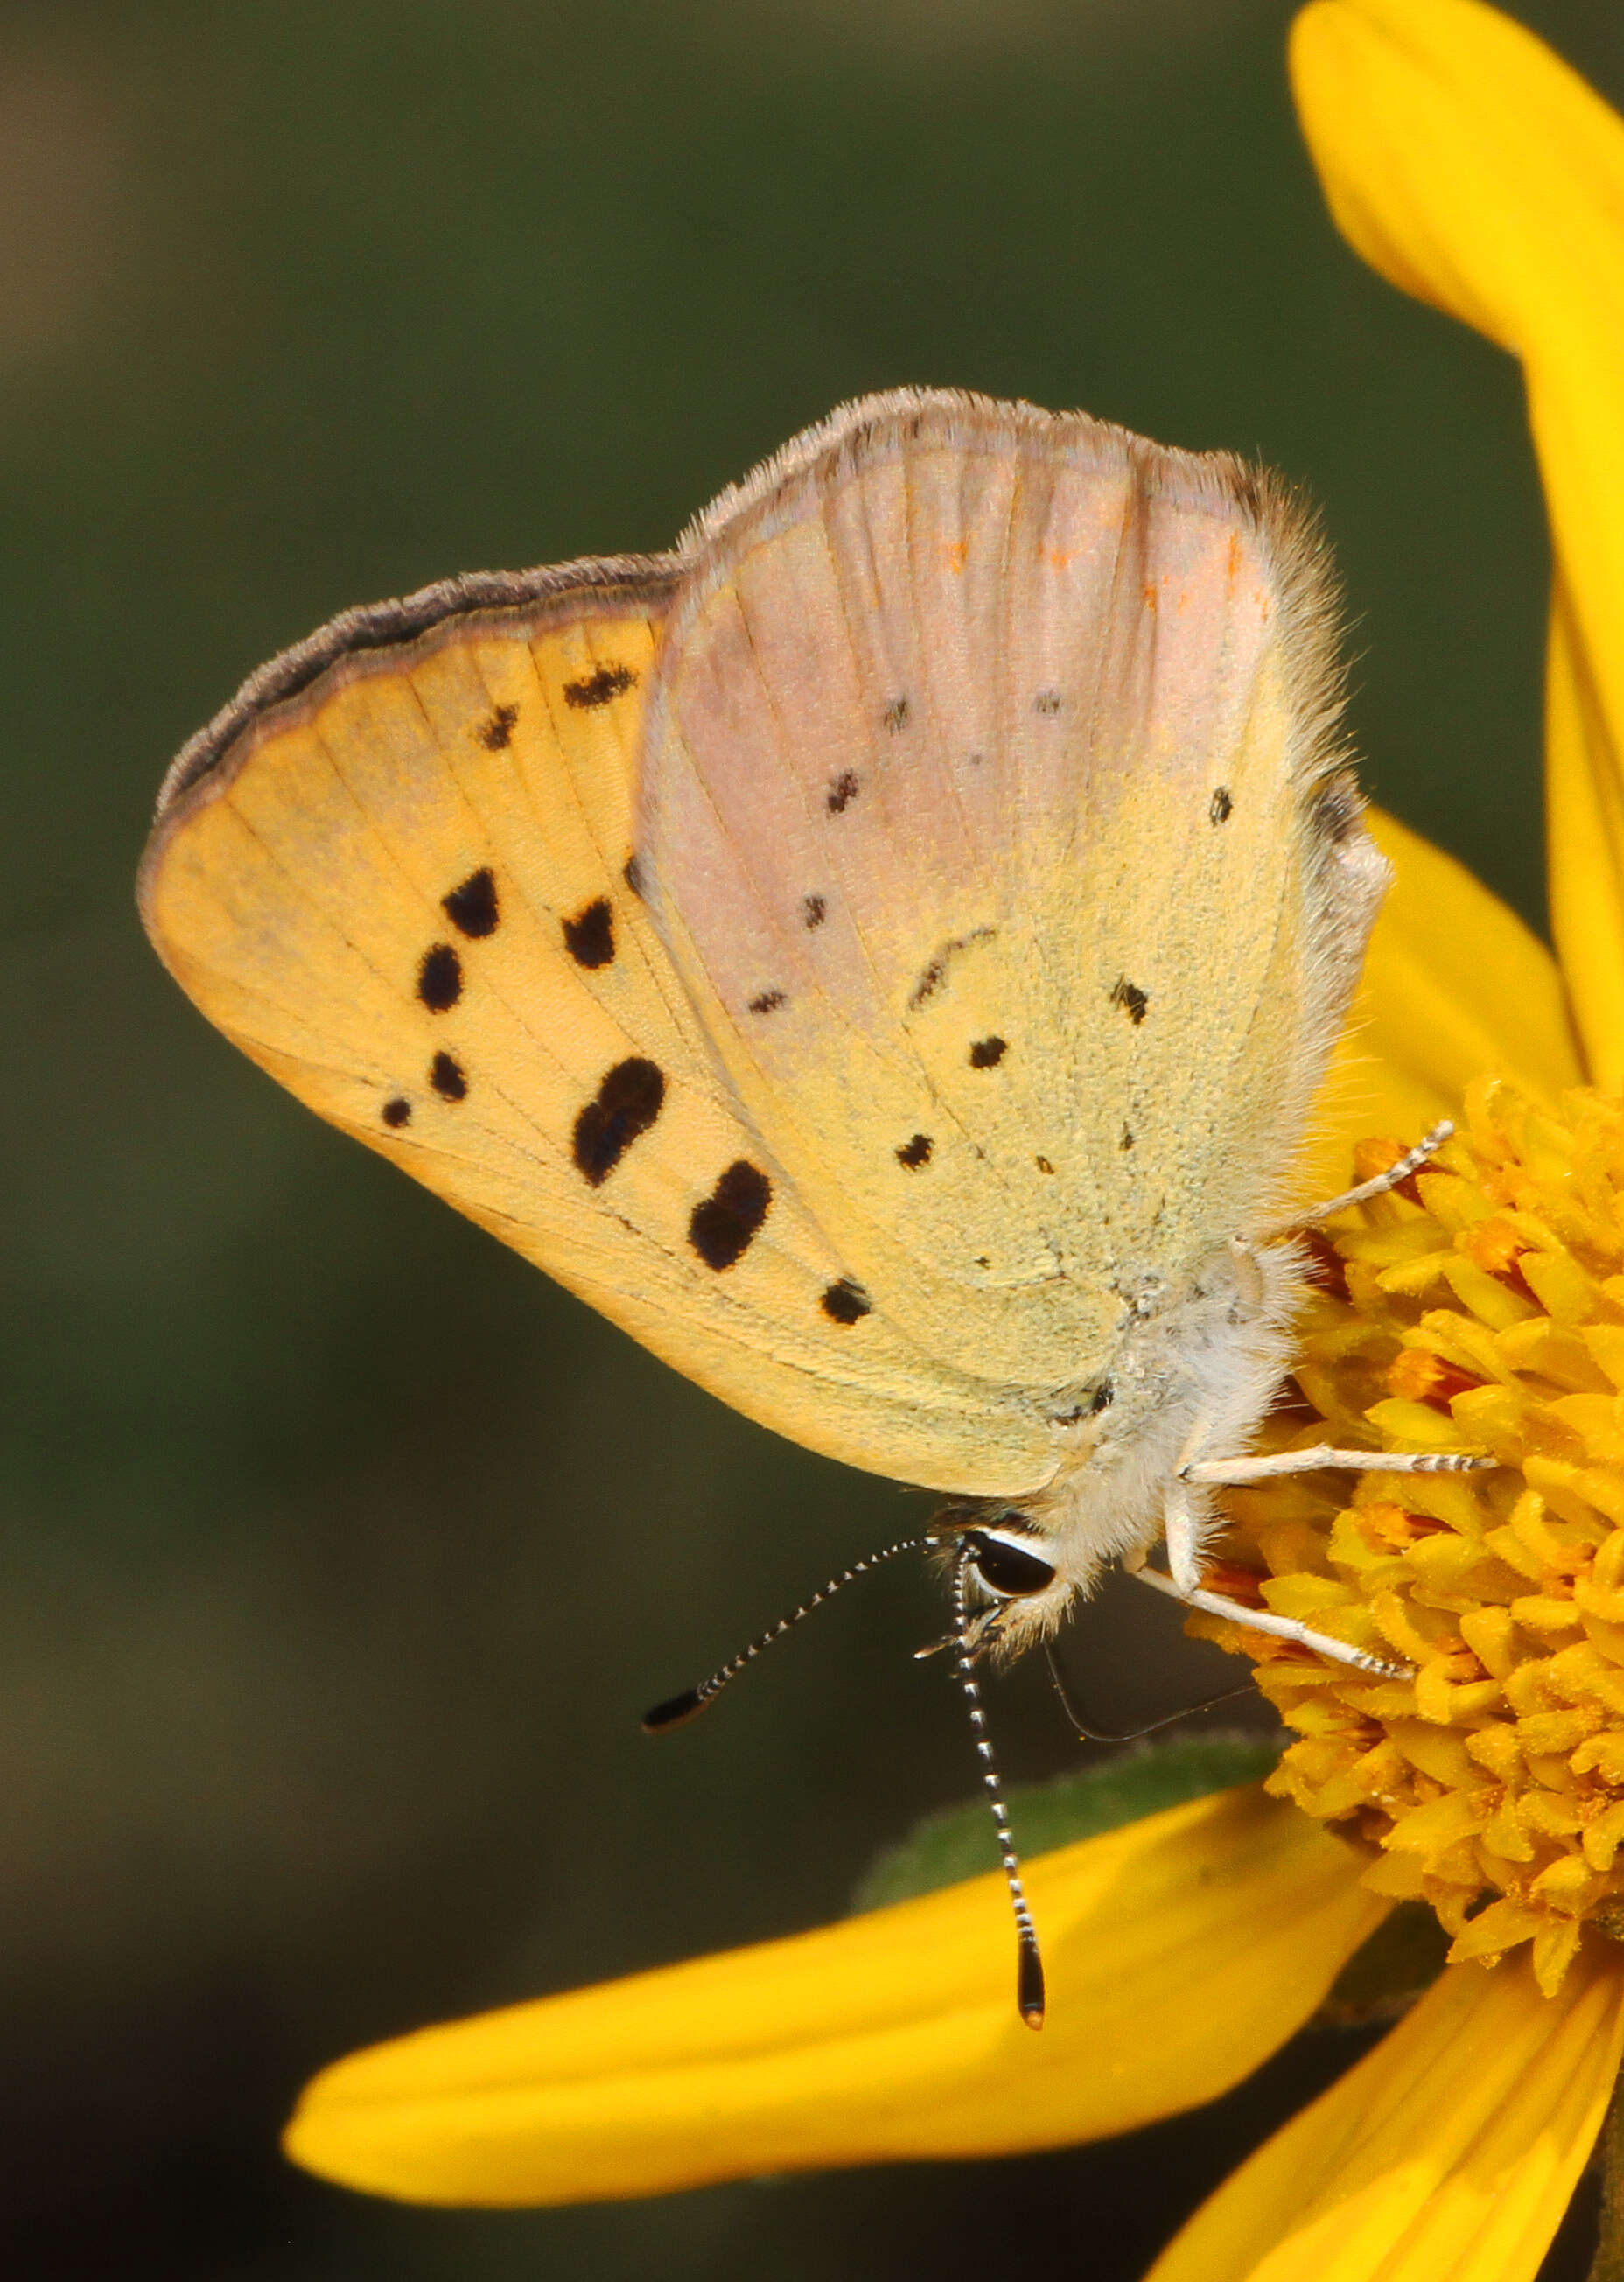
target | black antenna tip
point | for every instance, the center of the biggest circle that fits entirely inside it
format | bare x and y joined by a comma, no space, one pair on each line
675,1710
1029,1985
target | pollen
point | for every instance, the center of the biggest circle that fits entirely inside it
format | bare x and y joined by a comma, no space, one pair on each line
1481,1307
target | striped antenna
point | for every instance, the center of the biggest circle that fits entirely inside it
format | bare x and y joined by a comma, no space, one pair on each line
692,1701
1028,1973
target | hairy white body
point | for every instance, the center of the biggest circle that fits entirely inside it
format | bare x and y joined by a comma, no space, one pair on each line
1193,1382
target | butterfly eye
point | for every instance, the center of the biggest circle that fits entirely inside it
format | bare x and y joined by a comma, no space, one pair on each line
1008,1570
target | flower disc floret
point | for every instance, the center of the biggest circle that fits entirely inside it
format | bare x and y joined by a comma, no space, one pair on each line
1479,1307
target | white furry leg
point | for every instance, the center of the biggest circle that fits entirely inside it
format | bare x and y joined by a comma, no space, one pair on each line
1411,1162
1264,1620
1182,1517
1181,1528
1234,1473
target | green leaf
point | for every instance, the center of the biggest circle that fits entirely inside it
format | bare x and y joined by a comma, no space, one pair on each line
956,1842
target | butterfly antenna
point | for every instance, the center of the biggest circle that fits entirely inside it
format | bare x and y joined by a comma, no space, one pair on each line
1029,1976
692,1701
1134,1734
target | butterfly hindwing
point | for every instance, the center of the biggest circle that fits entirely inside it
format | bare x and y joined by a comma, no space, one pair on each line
406,883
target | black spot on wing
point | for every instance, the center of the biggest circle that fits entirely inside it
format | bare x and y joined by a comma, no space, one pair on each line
448,1078
1134,1002
987,1053
1101,1399
473,907
1335,808
896,715
609,681
628,1102
915,1152
846,1302
1220,808
589,938
497,731
767,1002
722,1226
842,793
934,974
930,981
439,978
814,910
398,1112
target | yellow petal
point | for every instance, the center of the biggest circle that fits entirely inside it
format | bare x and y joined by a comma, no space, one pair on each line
1181,1950
1449,2154
1584,822
1470,167
1454,987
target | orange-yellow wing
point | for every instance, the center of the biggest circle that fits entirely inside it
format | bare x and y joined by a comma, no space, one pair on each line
398,872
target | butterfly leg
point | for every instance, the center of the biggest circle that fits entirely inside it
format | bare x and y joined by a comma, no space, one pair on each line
979,1634
1181,1530
1411,1162
1234,1473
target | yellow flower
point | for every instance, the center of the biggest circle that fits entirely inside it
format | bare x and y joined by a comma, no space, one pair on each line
1482,1306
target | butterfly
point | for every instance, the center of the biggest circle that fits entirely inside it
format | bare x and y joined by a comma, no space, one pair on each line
881,953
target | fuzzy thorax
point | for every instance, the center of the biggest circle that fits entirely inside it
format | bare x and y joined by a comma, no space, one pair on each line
1194,1376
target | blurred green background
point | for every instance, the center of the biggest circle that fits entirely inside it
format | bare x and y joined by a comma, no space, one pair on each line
320,1670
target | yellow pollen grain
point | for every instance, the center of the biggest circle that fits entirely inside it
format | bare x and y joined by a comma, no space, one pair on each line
1484,1312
